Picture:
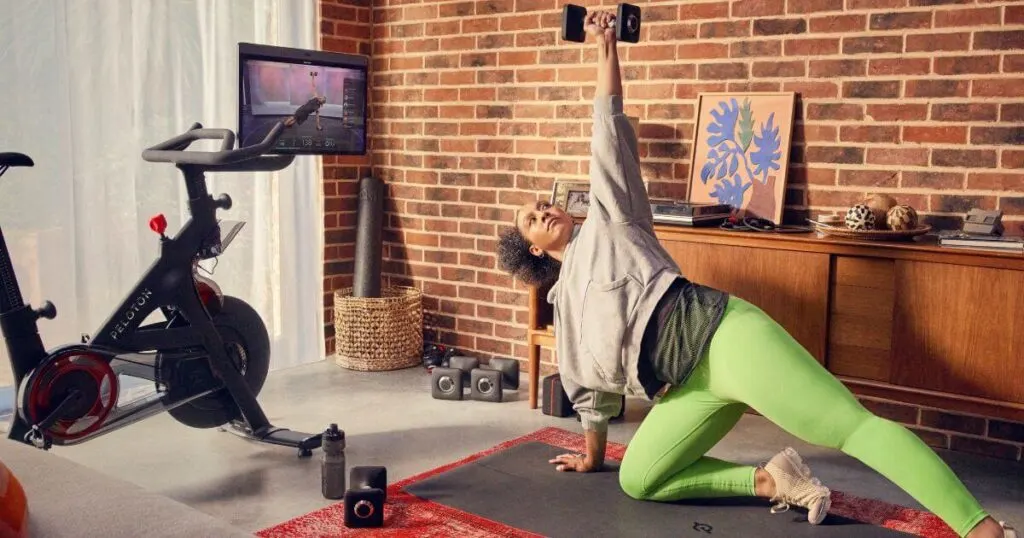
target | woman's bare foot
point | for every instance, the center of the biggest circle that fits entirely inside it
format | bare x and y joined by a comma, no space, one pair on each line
990,528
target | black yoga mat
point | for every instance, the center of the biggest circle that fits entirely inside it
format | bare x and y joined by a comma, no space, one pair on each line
519,488
369,223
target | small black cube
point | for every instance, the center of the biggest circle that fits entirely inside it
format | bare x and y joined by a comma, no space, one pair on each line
364,508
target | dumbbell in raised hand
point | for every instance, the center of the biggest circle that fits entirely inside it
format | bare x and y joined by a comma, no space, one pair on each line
364,500
627,23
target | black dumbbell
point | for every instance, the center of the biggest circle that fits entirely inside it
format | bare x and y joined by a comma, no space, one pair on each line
466,364
364,500
485,385
447,383
509,369
627,23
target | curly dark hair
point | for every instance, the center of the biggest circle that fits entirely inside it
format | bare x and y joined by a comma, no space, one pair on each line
515,258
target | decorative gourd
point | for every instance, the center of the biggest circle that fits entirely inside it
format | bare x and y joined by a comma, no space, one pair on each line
901,217
860,217
880,205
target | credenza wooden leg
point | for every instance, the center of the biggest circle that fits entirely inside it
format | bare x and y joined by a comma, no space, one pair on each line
534,374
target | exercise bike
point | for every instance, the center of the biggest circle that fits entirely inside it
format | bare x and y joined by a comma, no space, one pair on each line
209,354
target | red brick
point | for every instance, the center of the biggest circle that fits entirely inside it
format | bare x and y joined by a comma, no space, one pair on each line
967,17
874,89
997,135
672,32
878,134
651,53
758,8
998,40
835,111
932,438
811,6
777,27
837,68
962,65
985,448
932,180
1000,87
869,178
1007,181
704,10
724,29
938,42
813,90
839,23
935,135
811,46
964,158
1012,159
748,48
834,155
773,69
722,71
964,112
898,156
1013,63
899,66
1011,112
900,20
937,88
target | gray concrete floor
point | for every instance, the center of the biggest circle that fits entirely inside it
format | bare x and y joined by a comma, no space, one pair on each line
390,419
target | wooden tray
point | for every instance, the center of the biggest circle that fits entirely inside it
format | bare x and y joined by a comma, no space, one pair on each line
870,235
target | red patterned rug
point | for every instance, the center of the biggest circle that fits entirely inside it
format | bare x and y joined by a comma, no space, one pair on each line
407,515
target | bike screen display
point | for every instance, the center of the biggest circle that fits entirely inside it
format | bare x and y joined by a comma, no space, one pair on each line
327,105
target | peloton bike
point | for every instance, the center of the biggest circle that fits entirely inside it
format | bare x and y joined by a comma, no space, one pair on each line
209,354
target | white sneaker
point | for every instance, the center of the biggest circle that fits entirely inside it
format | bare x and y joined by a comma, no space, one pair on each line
1008,531
794,485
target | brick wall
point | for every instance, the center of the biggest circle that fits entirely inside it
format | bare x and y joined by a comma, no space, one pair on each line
478,106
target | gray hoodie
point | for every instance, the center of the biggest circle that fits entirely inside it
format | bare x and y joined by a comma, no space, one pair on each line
614,273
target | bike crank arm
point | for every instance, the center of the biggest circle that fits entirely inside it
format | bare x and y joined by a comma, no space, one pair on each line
37,435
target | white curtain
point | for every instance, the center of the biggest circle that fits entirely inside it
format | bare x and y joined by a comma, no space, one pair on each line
85,86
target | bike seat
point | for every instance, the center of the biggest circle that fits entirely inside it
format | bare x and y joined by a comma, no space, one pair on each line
15,159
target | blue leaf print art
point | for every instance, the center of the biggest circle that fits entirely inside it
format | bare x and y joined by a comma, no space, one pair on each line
743,152
766,157
731,192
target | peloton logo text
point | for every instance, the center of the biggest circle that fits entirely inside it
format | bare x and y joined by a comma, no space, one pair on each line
131,313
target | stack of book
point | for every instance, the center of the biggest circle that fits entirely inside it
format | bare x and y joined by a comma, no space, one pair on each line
988,242
688,213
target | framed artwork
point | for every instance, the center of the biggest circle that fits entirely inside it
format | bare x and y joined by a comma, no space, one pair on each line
572,196
740,154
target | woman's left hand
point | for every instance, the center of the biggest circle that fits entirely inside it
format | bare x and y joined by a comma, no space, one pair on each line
573,462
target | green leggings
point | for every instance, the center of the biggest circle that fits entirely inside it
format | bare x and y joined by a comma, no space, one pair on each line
753,361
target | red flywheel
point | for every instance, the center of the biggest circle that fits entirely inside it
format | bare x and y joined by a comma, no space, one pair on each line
90,375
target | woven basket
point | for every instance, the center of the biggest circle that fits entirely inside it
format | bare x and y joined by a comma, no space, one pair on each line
374,334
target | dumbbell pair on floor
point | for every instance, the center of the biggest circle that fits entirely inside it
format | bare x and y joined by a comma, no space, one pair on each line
485,383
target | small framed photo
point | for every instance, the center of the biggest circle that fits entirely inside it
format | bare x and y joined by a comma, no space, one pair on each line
572,196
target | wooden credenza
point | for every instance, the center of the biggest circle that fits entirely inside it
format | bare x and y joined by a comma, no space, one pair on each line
907,321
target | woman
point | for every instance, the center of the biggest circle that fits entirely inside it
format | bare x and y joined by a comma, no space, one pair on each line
629,323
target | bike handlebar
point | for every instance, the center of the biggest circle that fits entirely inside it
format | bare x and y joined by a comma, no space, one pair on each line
173,150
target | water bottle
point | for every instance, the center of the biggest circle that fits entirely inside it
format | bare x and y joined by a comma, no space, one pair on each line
332,468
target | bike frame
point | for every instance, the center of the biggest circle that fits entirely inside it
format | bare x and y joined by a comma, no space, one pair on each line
188,301
132,349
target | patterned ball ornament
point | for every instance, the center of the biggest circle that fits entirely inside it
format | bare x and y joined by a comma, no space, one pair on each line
901,217
860,217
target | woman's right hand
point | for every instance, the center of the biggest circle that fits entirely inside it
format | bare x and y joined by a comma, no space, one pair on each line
600,25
